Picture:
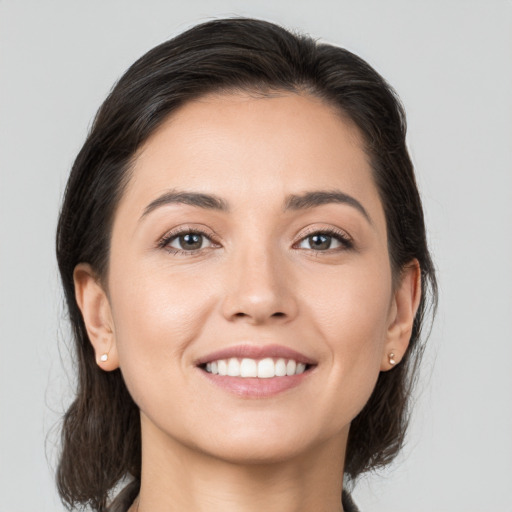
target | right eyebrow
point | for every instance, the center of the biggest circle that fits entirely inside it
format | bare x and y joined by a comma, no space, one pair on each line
206,201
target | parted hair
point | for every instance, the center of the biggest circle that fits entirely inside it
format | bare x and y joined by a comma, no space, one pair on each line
101,439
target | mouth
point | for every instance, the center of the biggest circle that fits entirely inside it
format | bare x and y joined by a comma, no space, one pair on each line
256,371
246,367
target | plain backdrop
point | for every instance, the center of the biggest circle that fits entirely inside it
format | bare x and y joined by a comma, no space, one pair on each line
451,63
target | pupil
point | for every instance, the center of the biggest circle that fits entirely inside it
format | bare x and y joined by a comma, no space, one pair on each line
190,241
320,242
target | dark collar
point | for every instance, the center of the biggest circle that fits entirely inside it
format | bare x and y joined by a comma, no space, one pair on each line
348,503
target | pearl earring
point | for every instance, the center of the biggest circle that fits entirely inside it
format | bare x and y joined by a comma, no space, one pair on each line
104,358
392,359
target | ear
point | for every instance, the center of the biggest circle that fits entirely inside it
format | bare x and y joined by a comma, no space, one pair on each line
406,300
95,307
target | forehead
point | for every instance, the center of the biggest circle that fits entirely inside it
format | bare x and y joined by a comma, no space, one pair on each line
252,148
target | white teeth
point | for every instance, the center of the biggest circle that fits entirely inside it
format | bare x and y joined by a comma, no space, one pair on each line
262,369
233,367
290,367
266,368
280,368
248,368
222,367
301,368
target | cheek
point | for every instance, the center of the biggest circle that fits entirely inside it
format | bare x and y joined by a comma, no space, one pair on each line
351,304
156,316
351,314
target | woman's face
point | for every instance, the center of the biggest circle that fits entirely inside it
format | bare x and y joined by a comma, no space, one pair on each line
250,226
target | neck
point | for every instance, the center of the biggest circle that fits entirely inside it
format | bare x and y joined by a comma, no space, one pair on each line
175,477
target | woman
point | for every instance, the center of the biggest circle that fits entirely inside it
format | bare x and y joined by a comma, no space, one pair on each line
244,258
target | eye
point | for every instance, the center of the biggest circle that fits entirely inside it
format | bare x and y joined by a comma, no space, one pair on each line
189,242
186,242
325,240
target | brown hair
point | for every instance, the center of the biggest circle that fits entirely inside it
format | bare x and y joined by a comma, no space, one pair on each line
101,443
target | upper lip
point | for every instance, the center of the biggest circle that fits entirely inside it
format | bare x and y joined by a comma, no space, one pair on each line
256,352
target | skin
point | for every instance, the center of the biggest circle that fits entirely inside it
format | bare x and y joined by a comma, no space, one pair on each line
260,281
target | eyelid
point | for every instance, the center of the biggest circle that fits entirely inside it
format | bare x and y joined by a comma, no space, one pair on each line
343,236
164,240
314,229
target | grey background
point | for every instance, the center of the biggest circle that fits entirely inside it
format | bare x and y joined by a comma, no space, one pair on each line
450,61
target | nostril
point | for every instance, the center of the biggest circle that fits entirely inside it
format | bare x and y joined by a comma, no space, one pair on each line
259,316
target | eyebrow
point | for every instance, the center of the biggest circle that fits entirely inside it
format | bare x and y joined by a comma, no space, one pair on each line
206,201
320,197
303,201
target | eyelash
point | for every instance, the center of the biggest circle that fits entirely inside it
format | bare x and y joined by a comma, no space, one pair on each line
345,240
164,242
342,237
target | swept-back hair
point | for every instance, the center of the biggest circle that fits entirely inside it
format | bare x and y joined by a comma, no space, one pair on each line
101,442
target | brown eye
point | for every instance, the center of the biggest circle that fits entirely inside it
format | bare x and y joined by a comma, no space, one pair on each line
319,242
323,241
190,242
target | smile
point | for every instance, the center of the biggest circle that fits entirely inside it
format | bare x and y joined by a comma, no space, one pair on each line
256,370
263,369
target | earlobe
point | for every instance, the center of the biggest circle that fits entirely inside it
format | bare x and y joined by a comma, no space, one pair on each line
405,304
95,307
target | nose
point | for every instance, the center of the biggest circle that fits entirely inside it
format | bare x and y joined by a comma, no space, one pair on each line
259,289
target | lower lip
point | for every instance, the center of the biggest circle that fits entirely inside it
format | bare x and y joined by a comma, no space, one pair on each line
252,387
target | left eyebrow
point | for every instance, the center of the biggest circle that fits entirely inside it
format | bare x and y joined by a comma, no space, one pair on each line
206,201
320,197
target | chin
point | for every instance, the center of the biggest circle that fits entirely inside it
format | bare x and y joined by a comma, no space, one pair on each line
264,445
251,452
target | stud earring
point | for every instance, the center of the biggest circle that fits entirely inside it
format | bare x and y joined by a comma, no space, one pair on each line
392,359
104,358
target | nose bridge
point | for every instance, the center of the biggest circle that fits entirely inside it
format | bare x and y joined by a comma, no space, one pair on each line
257,286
